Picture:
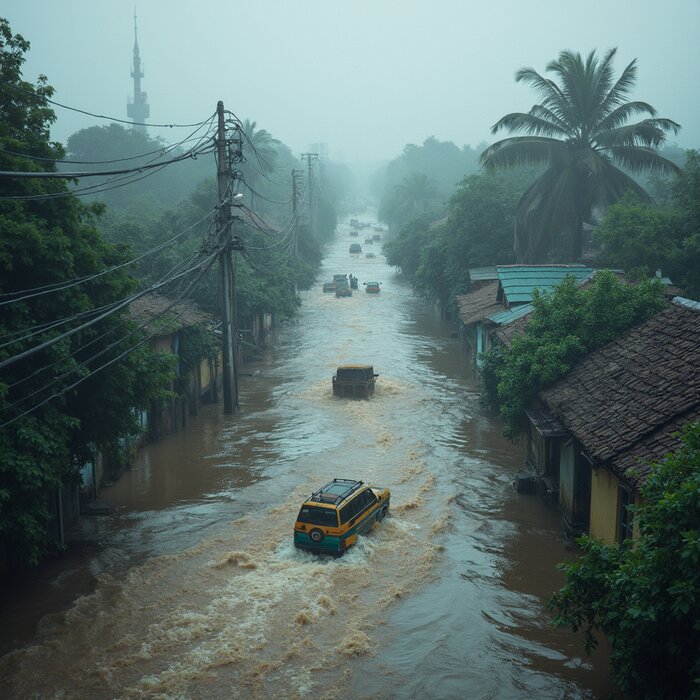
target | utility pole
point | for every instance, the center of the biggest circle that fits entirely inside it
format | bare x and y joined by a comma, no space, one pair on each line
310,158
226,269
296,177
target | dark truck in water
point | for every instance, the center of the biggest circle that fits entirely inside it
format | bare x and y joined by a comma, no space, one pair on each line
355,381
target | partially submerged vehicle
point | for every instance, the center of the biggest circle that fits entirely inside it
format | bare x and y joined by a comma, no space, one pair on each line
331,519
329,286
355,248
354,381
372,287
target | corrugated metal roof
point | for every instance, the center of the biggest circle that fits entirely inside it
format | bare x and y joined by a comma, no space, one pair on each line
477,274
516,282
503,318
687,303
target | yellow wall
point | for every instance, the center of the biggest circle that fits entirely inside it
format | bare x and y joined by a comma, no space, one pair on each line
163,343
604,500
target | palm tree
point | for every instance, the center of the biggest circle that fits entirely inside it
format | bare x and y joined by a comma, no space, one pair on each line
579,133
261,157
412,196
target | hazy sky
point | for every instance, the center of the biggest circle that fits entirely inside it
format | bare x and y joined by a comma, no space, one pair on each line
364,76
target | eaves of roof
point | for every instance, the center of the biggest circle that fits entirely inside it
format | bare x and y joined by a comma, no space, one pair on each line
619,399
478,304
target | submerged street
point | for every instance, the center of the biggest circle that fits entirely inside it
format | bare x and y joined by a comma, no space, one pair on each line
196,590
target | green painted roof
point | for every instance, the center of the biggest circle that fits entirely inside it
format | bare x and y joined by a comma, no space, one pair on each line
516,282
503,318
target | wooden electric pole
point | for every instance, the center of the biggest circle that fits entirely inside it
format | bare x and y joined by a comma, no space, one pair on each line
310,158
226,269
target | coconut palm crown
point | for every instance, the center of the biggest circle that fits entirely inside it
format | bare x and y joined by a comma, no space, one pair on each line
579,132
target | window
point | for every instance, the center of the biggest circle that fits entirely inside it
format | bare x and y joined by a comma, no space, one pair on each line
626,521
318,516
351,509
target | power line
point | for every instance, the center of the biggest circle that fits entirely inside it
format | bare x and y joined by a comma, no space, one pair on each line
162,151
107,348
98,116
66,284
92,189
87,324
96,370
92,173
113,329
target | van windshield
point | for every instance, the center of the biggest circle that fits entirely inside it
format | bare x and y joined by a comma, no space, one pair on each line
318,516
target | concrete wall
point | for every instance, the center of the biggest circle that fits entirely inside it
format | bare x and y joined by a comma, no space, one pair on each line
604,505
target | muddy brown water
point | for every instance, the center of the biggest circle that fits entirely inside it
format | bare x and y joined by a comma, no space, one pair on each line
192,587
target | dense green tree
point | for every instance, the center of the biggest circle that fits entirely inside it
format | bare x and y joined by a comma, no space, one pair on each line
566,324
639,237
104,148
415,194
441,162
642,238
580,132
481,217
404,250
59,403
645,598
478,231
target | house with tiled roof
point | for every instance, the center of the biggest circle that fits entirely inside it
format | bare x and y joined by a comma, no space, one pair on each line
165,321
504,298
596,430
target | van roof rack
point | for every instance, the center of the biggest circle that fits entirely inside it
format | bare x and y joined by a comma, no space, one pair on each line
335,491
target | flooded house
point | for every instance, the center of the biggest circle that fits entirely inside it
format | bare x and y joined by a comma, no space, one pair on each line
595,432
497,299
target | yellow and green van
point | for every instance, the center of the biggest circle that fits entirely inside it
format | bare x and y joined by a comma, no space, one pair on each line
331,519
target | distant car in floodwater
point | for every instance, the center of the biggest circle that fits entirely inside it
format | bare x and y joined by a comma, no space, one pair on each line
354,381
355,248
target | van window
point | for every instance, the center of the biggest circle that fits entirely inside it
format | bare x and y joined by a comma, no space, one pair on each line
318,516
349,511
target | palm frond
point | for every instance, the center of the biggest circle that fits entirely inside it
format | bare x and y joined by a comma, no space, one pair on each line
637,159
546,210
647,133
614,184
548,89
618,92
604,76
520,122
552,115
522,150
621,114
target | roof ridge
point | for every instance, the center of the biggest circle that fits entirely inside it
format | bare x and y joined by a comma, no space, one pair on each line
686,303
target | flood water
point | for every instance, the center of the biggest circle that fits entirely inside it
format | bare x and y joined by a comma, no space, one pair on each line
196,591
